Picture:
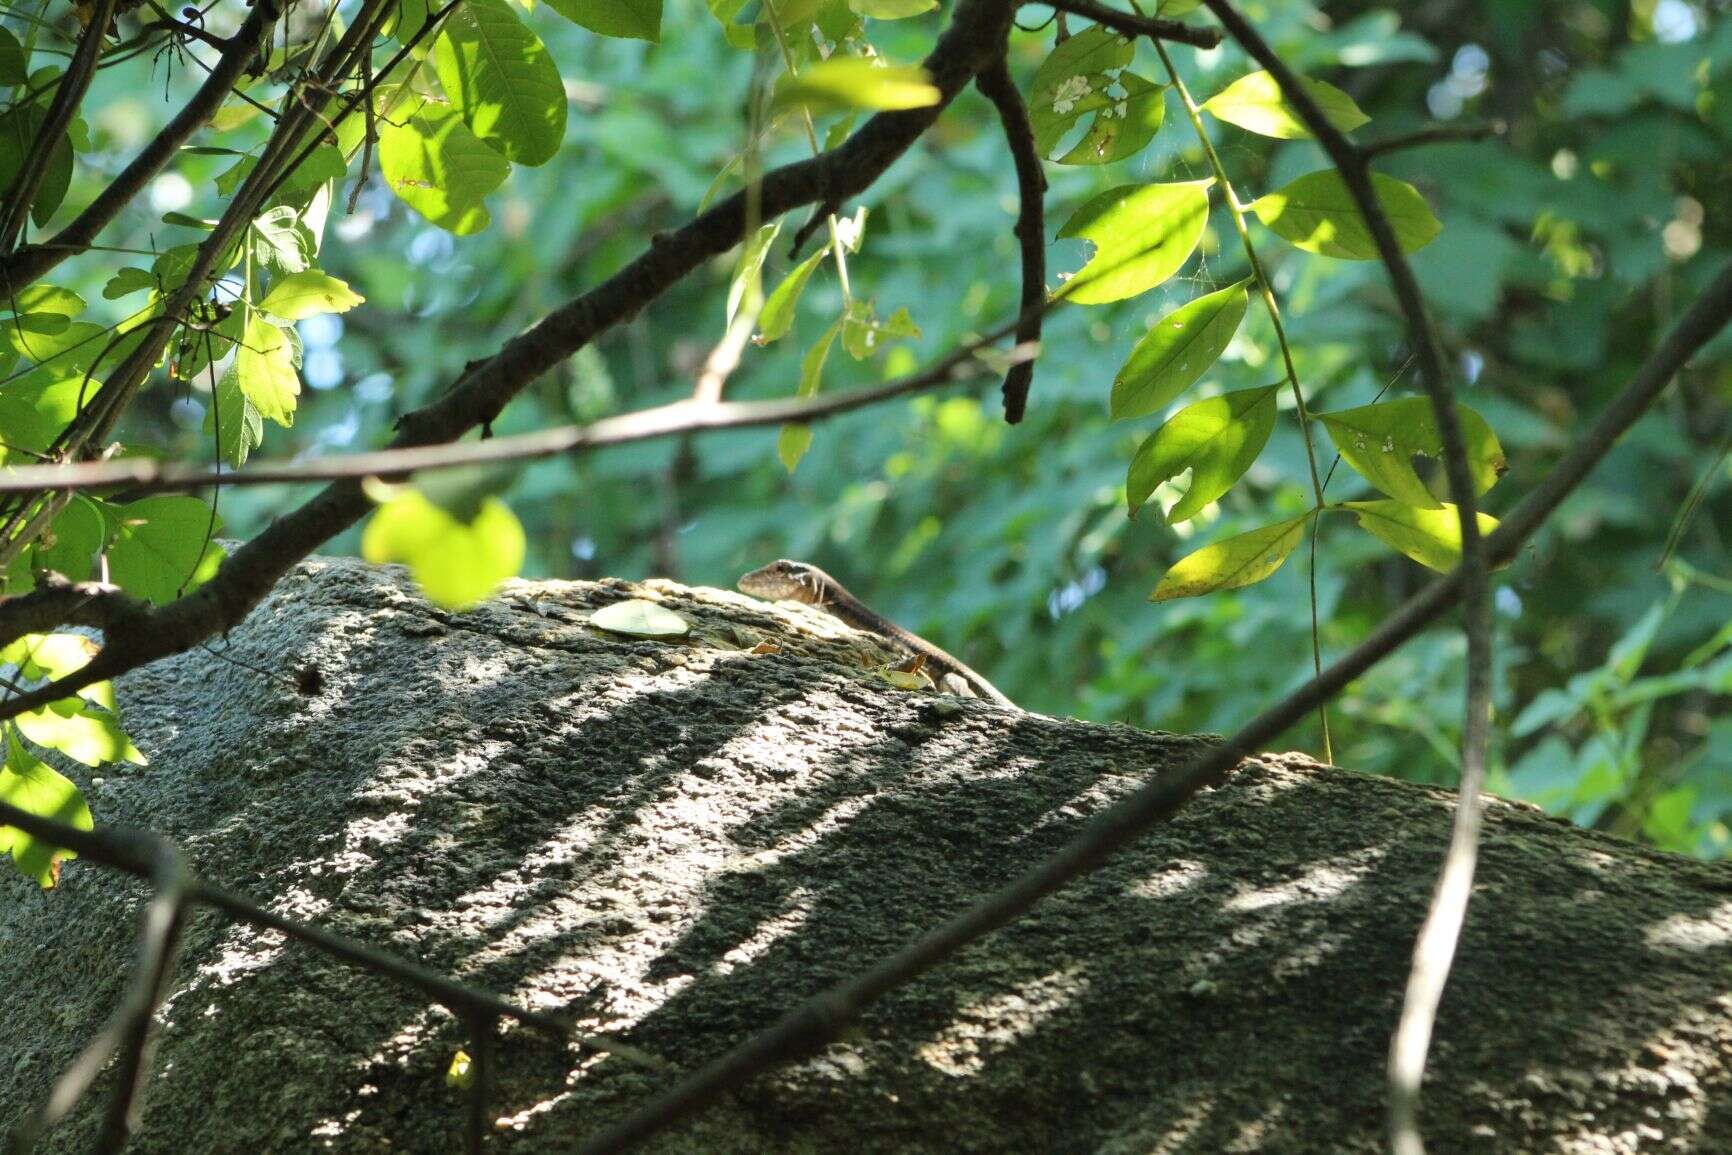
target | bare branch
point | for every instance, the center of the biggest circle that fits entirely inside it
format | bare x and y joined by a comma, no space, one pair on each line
128,1031
1136,24
24,266
56,601
131,853
1436,946
68,95
997,86
148,475
821,1018
1436,134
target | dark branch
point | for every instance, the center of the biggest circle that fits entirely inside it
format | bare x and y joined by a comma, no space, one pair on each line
148,475
822,1018
68,95
996,85
1136,24
1437,134
130,852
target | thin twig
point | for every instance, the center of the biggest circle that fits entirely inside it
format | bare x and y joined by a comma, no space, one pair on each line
996,85
128,1030
1133,24
1436,945
1436,134
123,851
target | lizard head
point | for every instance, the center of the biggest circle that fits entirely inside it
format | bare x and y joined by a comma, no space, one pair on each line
783,580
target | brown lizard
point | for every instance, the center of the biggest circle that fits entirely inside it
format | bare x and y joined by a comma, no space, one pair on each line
796,581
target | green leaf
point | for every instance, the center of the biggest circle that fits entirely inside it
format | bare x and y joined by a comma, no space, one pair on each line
792,442
309,294
32,414
1317,214
83,732
863,333
1179,349
439,168
1176,8
126,281
284,242
1381,441
1217,439
1227,565
500,77
796,438
1431,537
1255,103
891,9
640,619
456,563
634,19
31,784
43,299
233,420
748,281
855,82
162,547
73,539
778,315
1083,78
1142,235
265,370
13,68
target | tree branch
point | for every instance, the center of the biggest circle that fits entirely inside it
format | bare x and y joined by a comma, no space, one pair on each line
822,1018
996,85
972,41
128,852
31,262
68,95
1436,134
1136,24
148,475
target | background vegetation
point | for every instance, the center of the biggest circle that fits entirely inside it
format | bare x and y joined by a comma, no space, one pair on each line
1570,240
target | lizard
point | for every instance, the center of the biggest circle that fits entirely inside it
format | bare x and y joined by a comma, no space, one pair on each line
796,581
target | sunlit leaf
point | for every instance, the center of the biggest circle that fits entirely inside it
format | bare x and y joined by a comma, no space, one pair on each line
439,168
461,1073
640,619
502,81
309,294
1142,235
855,82
31,784
634,19
795,439
747,284
778,315
1238,561
1255,103
456,563
891,9
1431,537
1318,214
86,734
233,419
265,370
1380,442
1179,349
161,546
1083,78
284,241
32,414
1216,439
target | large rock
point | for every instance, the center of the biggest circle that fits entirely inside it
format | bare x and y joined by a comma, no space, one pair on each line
678,840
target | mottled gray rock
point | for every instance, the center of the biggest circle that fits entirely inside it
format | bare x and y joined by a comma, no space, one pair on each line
677,840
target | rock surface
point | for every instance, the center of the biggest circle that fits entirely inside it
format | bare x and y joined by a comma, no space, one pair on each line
676,840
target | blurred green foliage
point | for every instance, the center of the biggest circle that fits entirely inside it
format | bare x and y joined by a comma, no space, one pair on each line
1570,242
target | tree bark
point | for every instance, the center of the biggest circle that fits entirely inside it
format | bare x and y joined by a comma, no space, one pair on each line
675,840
